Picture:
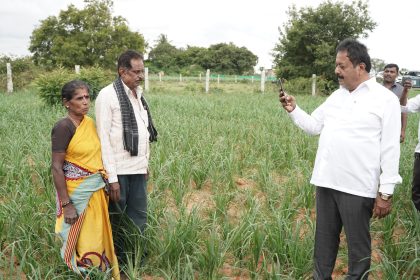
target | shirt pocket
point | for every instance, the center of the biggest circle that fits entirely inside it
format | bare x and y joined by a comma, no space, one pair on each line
367,117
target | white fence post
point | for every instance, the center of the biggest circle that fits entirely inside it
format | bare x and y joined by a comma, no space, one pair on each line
200,77
180,78
207,80
262,80
77,69
252,79
236,79
160,76
313,84
9,78
146,79
218,79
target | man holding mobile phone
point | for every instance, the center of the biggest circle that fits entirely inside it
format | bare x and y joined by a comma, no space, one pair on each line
359,127
390,76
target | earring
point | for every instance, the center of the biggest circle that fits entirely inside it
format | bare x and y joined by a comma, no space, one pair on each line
67,107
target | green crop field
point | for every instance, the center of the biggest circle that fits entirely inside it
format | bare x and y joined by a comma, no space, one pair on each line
229,192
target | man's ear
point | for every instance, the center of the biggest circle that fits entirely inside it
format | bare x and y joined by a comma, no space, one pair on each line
121,71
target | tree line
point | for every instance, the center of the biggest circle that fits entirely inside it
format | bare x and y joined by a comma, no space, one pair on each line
92,36
221,58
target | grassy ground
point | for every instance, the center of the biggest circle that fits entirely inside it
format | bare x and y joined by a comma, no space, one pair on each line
229,191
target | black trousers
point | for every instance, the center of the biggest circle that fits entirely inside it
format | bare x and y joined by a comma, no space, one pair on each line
334,210
416,182
132,205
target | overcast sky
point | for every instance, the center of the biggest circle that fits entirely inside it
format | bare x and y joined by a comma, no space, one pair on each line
252,24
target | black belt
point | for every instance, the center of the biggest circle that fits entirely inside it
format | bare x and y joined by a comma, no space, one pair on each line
417,155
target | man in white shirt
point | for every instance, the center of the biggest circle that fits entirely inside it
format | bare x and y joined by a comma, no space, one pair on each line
359,127
122,122
413,106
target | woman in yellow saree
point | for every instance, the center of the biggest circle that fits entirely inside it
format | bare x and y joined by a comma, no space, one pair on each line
82,205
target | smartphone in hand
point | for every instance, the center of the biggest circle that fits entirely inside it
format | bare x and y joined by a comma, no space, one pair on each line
280,84
281,89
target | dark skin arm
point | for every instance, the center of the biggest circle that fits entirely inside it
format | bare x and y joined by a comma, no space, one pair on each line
404,97
114,191
70,213
403,101
403,126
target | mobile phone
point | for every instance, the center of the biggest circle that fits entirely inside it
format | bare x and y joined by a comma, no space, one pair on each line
281,89
404,79
280,84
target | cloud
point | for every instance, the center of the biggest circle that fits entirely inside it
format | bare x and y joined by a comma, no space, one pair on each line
253,24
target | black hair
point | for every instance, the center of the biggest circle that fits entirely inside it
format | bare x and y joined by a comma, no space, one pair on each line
125,58
392,65
356,52
69,89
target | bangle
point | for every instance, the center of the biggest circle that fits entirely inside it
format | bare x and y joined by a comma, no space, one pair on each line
64,204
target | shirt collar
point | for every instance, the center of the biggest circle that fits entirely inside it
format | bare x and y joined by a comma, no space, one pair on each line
139,90
371,83
368,83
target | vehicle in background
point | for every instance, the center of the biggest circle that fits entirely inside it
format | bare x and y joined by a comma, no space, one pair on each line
414,76
380,75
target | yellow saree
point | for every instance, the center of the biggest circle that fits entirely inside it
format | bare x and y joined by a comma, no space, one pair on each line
87,243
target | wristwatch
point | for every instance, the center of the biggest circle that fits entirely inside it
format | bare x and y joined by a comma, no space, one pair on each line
64,204
385,196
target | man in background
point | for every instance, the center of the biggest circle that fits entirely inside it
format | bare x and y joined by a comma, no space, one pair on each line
390,76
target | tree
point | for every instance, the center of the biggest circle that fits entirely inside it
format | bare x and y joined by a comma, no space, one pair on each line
191,56
230,59
23,69
310,37
163,56
90,36
223,58
378,64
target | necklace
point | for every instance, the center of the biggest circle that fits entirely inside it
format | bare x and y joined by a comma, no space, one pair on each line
73,121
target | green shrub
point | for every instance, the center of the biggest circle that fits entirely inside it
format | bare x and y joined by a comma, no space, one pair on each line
304,86
19,64
23,72
96,78
49,85
192,70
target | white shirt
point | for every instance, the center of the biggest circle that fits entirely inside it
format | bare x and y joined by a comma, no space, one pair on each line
118,161
359,145
413,106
